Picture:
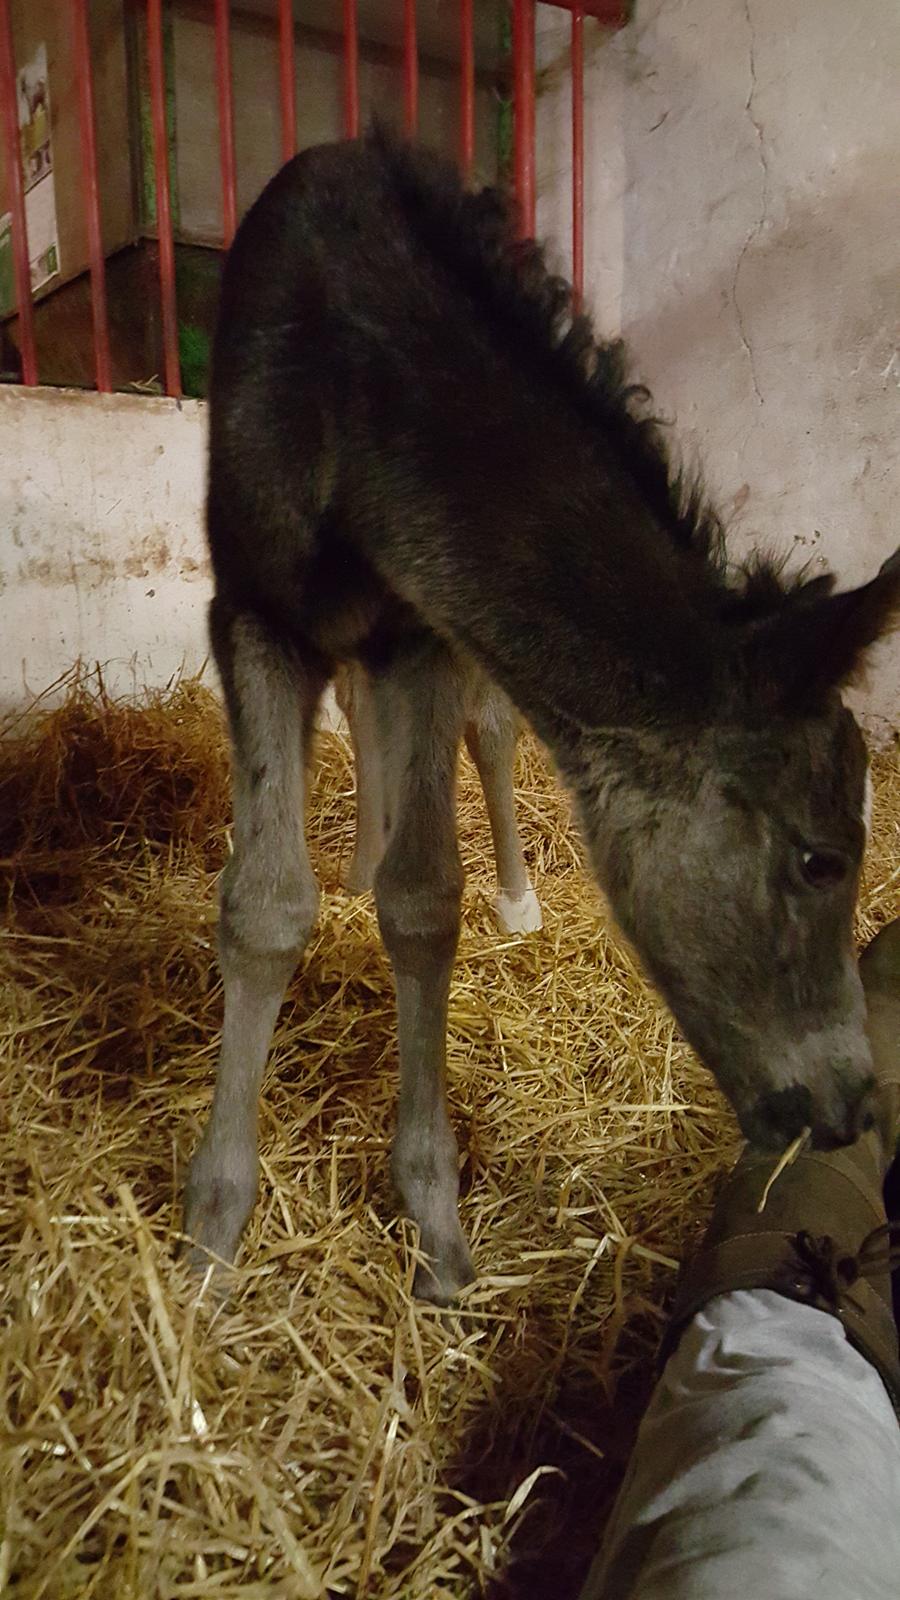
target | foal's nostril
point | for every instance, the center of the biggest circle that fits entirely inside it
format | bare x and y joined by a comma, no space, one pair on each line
859,1115
785,1112
780,1115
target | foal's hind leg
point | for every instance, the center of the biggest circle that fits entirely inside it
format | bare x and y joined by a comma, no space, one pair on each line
269,901
491,734
418,891
356,700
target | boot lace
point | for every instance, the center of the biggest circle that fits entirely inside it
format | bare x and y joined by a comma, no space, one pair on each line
833,1271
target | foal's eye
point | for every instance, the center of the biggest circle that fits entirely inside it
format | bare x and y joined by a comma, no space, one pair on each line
823,869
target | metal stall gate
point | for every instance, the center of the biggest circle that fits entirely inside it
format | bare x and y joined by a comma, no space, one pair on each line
149,18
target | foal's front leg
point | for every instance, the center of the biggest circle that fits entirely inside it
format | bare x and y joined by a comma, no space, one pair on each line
418,892
269,901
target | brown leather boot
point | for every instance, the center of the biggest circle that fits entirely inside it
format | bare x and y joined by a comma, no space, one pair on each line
822,1237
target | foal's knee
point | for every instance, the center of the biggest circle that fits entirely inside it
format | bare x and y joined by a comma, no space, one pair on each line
419,916
265,917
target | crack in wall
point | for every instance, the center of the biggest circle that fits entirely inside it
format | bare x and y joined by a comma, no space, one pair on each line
757,227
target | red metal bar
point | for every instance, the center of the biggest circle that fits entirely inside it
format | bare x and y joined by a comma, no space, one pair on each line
523,110
172,369
410,68
287,79
614,13
9,108
577,157
351,71
226,121
466,87
84,74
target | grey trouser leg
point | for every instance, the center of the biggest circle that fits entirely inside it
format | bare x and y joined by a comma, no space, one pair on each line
767,1465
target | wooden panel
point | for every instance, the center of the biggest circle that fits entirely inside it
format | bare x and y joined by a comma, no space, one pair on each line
63,323
47,22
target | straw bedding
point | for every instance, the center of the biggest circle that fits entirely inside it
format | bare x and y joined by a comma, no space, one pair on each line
318,1434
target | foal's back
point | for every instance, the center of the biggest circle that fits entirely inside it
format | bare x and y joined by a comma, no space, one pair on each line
391,424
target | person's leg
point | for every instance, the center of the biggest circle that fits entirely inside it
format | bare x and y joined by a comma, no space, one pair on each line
768,1463
767,1467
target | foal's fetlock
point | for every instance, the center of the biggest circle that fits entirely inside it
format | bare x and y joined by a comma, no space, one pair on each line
219,1197
428,1184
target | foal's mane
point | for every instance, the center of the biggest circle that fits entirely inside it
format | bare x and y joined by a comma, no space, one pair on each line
475,235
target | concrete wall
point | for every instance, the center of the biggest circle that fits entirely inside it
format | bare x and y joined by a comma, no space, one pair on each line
102,551
755,144
101,545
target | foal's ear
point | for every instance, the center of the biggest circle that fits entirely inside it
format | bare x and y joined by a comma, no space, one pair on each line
819,640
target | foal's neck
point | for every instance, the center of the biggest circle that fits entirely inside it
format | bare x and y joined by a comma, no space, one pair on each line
582,607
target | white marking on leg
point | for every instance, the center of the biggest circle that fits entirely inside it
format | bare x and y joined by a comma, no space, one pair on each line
519,913
867,804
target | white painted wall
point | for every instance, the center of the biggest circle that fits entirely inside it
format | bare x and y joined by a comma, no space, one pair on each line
102,550
101,543
748,154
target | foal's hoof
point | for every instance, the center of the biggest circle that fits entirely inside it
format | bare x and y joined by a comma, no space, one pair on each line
207,1273
215,1215
440,1279
519,913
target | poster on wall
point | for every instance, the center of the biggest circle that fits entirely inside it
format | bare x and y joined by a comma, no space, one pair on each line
33,96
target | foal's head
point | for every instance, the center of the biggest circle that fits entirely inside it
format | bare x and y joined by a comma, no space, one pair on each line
730,846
